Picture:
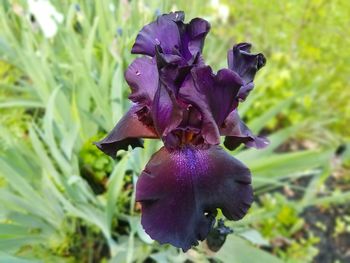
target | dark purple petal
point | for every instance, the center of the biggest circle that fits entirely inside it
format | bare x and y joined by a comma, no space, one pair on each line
166,112
142,77
165,59
193,36
164,32
221,90
244,91
193,96
176,16
198,30
181,190
243,62
237,132
172,70
245,65
213,95
128,131
173,36
191,118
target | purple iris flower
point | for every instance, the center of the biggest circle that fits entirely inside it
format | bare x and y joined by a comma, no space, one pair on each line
179,99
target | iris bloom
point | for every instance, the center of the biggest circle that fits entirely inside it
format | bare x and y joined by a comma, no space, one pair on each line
179,99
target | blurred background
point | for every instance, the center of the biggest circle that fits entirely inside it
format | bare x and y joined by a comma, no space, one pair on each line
62,87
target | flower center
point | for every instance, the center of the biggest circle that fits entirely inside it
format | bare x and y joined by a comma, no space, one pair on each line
187,137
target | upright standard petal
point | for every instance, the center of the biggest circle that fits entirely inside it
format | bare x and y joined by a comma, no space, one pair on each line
243,62
164,32
245,65
193,36
181,190
128,131
176,16
142,77
237,132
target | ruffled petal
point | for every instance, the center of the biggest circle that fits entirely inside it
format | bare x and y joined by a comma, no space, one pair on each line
142,77
176,16
237,132
128,131
198,30
193,36
173,36
172,70
245,65
181,190
164,32
243,62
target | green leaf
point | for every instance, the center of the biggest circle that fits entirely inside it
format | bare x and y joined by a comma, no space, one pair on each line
13,244
287,165
258,123
4,257
255,237
21,103
8,230
115,184
237,250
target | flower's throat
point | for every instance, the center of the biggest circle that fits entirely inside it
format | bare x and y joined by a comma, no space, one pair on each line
188,137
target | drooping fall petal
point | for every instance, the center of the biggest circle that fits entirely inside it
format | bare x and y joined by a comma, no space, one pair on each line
237,132
128,131
181,190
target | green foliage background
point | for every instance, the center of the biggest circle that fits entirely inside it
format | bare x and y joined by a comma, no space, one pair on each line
64,201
